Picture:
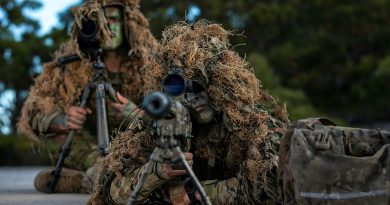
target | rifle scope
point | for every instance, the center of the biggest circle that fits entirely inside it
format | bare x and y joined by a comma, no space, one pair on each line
157,104
175,84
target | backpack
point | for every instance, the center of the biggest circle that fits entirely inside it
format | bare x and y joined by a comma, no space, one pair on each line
321,163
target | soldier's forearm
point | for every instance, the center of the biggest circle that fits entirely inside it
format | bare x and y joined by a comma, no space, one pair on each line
136,117
122,187
58,124
45,123
221,191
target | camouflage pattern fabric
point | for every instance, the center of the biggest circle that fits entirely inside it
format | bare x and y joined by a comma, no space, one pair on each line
325,164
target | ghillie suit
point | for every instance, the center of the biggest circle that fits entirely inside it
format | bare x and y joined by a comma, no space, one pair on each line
235,156
60,87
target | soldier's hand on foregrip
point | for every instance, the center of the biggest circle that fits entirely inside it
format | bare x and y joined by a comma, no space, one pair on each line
76,117
180,196
121,105
165,171
126,107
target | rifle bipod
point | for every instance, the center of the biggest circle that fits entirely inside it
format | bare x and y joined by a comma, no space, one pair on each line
155,155
172,132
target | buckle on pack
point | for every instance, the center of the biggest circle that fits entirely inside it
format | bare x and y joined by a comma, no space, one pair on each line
322,141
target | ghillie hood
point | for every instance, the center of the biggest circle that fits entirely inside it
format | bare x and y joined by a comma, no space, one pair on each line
205,54
136,26
250,113
58,88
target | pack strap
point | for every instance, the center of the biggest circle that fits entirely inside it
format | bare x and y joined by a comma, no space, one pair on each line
314,123
386,139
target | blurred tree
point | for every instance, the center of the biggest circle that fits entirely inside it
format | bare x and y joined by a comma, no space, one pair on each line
332,50
298,104
19,52
331,55
162,13
335,51
22,52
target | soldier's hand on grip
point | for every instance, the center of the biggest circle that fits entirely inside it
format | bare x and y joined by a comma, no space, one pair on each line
165,171
76,117
121,105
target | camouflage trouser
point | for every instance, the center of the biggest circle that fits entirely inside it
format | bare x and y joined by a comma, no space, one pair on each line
83,153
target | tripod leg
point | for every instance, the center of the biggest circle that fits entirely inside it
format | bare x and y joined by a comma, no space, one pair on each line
111,92
102,126
66,147
191,174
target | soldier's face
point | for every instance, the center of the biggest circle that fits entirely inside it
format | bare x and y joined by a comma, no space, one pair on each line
115,21
199,106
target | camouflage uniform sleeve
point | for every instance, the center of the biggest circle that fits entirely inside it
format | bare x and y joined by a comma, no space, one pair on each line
235,191
122,187
253,184
130,110
221,192
229,192
40,122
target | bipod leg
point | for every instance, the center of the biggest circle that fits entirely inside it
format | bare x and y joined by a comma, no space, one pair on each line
191,174
144,173
65,149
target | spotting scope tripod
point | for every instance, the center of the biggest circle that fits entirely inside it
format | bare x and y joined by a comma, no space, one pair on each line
100,83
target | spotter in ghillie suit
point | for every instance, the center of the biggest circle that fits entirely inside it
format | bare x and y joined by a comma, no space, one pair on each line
51,108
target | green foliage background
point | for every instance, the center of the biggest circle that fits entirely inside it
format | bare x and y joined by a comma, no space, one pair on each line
321,57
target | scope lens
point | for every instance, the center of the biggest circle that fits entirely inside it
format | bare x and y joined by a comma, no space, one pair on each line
156,104
89,28
174,84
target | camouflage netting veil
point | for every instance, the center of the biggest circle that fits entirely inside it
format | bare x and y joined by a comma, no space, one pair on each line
250,113
60,87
